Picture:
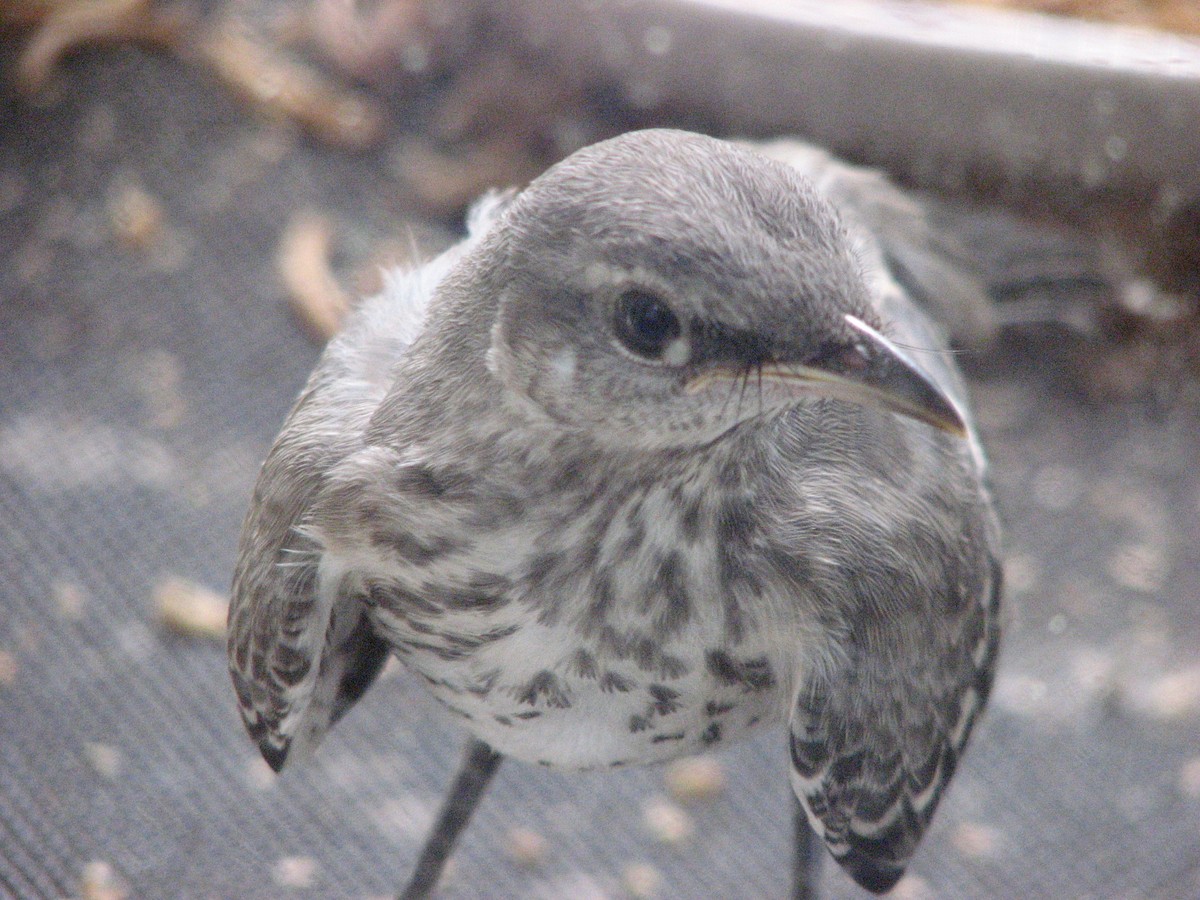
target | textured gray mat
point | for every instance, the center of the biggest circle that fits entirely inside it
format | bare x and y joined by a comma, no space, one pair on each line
138,393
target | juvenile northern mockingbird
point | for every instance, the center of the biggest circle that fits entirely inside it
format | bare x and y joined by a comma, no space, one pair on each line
659,453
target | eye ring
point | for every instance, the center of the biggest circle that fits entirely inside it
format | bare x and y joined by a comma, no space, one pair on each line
644,323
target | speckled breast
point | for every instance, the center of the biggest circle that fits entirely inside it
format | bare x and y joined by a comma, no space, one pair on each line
548,695
621,620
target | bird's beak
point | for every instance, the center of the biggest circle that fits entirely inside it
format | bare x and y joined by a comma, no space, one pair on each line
876,373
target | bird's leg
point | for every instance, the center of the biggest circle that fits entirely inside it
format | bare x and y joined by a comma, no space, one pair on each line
809,851
478,766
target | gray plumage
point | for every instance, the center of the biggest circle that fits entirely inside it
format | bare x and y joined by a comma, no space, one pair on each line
620,480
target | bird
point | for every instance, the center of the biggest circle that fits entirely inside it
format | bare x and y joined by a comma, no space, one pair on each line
668,449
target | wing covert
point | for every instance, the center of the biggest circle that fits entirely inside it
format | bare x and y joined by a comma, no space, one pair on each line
301,650
872,753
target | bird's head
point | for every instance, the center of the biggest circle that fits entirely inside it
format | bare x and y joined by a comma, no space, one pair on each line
660,288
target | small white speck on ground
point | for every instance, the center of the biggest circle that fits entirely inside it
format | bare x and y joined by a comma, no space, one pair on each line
105,759
190,609
70,599
657,40
912,887
135,639
1140,567
666,821
136,217
1172,695
526,847
305,268
642,881
1019,694
1021,573
100,881
1189,778
294,871
975,840
695,778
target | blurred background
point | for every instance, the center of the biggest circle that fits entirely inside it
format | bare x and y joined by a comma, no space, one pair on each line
193,192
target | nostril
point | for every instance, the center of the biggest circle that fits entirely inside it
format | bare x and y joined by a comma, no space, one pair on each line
842,359
856,357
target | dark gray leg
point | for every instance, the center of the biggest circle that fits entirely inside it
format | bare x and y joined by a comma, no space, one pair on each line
809,852
478,766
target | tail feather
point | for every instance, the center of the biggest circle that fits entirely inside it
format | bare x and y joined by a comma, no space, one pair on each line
976,271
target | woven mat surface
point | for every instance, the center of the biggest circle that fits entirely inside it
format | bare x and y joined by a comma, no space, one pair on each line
140,388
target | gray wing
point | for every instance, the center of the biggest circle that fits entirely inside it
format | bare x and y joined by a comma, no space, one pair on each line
876,731
296,647
875,742
301,650
899,565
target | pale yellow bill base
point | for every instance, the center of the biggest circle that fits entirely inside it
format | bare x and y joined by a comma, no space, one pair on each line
888,380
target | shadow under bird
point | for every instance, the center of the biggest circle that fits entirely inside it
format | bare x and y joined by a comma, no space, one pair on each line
638,466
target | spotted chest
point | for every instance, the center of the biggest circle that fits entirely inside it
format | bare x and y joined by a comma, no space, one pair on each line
549,695
610,626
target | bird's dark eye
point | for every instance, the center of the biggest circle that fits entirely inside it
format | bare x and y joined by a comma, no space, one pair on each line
645,324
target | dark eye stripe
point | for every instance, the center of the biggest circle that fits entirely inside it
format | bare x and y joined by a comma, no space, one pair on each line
712,342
